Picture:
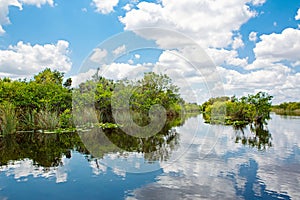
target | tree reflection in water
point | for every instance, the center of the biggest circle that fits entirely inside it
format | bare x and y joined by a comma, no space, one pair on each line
259,137
43,149
154,148
47,150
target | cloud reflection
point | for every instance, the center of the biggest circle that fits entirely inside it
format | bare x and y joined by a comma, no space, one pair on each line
230,170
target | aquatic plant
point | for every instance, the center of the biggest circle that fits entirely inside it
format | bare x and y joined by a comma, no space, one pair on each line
8,118
47,120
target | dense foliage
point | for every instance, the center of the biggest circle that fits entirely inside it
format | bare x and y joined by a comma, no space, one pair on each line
48,103
34,104
250,109
287,108
133,98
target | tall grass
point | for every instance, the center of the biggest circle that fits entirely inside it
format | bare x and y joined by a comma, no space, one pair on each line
85,116
8,118
47,120
28,120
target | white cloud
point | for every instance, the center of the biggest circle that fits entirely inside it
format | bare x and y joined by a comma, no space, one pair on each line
25,59
201,20
137,56
237,42
130,61
297,17
4,12
119,71
105,6
119,50
5,4
98,55
253,36
226,57
276,48
37,3
115,71
127,7
258,2
278,80
82,77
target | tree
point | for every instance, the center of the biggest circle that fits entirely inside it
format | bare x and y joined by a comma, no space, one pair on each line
155,89
248,109
262,104
48,76
68,83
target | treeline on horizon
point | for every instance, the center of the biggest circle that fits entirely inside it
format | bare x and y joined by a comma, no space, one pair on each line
287,108
45,102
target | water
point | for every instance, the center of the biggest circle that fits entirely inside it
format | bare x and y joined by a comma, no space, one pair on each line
192,161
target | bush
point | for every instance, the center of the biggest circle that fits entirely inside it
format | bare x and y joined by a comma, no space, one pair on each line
66,119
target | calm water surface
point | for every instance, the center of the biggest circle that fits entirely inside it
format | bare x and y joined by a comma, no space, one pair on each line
192,161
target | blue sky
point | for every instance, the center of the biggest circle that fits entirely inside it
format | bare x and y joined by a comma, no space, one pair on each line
61,34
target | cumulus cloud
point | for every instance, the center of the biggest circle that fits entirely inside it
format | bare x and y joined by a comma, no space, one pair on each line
277,47
119,50
98,55
253,36
38,3
4,12
115,71
258,2
278,80
137,56
214,25
5,4
127,7
227,57
185,17
24,59
105,6
119,71
273,70
297,17
82,77
237,42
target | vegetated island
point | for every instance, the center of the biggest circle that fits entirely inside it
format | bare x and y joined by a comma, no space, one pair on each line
239,112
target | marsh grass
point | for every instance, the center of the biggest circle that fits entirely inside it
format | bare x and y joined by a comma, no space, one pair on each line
8,118
28,120
47,120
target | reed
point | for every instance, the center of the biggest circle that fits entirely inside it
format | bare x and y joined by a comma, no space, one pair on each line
47,120
8,118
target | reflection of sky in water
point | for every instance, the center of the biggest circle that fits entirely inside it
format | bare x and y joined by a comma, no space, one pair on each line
229,170
80,180
213,166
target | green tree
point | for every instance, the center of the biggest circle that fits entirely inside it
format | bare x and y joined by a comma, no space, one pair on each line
253,108
48,76
262,104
